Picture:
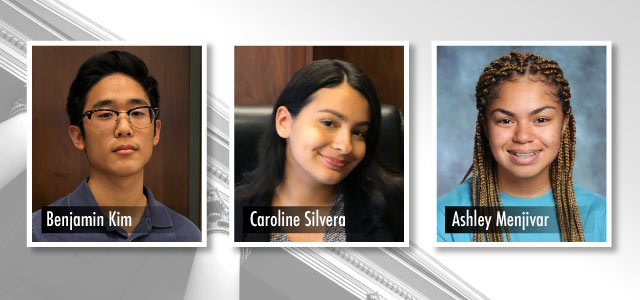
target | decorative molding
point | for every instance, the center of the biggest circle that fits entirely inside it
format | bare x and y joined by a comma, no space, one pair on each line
423,264
75,21
13,51
376,274
40,20
335,272
218,189
364,278
13,38
244,254
217,210
218,119
218,106
57,21
217,172
21,10
13,62
373,296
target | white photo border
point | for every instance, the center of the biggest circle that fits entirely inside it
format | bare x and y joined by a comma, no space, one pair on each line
203,137
434,109
407,112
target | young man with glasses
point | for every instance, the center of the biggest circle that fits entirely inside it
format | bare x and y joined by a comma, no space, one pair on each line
113,107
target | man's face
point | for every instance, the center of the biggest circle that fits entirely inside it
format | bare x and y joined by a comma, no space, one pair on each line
123,150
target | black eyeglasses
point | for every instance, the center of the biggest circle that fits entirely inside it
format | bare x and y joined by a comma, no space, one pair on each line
104,119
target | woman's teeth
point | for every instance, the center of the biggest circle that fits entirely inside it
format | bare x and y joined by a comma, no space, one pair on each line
524,155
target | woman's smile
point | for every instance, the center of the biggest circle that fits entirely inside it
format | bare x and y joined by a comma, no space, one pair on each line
524,127
326,140
524,157
335,163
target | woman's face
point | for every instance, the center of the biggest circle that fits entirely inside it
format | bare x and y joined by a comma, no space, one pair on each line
524,126
327,139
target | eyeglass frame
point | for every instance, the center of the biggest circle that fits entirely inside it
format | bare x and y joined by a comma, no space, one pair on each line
155,110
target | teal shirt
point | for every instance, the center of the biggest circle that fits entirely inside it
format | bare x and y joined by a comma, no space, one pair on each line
592,208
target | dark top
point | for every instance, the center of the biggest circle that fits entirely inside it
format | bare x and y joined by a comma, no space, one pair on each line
157,224
366,219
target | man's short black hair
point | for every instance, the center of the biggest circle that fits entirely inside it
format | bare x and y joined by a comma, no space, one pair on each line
101,65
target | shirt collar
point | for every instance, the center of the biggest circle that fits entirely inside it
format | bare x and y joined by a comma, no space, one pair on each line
156,211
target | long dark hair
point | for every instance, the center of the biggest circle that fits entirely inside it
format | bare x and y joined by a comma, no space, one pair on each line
368,177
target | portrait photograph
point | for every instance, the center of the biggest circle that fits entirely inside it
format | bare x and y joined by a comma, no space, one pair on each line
320,145
523,143
117,149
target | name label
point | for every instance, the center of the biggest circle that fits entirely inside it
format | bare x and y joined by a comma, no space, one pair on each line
518,219
84,219
290,219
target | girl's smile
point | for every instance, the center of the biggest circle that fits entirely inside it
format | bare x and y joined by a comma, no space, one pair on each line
327,139
524,126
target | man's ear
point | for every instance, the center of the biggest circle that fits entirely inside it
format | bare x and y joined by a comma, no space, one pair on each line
283,122
76,137
156,135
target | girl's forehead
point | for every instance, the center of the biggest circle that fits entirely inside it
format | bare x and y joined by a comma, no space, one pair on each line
343,99
524,93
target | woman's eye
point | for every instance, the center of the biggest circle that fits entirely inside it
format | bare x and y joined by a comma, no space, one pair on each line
360,133
327,123
542,120
504,121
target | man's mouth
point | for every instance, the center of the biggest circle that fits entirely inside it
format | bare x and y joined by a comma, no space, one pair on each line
125,149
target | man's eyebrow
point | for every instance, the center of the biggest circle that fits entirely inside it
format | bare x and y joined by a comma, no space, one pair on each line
103,103
341,116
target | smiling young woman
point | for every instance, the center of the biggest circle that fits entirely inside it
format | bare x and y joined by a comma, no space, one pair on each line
524,126
320,150
523,155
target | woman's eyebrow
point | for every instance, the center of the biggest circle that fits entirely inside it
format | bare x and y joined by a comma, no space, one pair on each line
538,110
335,113
342,117
511,114
504,111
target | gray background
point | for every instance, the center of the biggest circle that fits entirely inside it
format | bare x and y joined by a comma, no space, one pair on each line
458,70
499,273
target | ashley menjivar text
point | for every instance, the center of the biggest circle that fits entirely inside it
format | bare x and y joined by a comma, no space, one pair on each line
83,219
519,219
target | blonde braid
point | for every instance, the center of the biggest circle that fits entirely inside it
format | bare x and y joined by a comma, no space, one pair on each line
485,192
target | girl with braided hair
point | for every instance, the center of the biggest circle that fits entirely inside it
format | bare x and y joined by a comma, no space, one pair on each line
524,151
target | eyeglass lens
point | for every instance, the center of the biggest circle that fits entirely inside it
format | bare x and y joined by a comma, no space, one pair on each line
106,120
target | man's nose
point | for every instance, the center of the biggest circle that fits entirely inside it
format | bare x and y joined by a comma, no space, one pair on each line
123,127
